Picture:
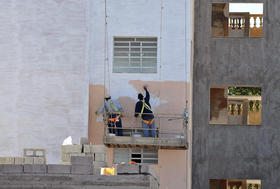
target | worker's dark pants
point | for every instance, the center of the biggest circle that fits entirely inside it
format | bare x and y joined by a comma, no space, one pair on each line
147,128
117,124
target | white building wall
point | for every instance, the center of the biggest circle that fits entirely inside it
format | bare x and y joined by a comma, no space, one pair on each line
43,75
141,18
51,50
170,22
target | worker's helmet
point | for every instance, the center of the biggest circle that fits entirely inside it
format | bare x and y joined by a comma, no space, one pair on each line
107,97
140,96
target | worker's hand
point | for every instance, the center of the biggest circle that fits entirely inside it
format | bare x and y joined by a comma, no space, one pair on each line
145,87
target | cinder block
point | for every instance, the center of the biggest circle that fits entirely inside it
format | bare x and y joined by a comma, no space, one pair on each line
39,160
11,168
77,160
71,149
35,168
77,154
7,160
144,169
128,169
83,140
98,148
65,157
82,169
65,163
96,171
39,153
29,152
19,160
99,157
89,155
99,164
87,149
59,169
34,152
28,160
91,149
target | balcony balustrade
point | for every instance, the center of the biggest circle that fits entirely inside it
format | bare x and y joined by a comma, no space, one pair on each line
244,110
245,24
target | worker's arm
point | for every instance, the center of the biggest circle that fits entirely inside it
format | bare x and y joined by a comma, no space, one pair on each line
137,109
147,97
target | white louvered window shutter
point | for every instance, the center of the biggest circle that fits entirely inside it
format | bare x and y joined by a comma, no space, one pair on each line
141,156
135,55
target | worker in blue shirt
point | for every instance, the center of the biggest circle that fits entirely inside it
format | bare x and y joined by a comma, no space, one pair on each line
113,111
143,108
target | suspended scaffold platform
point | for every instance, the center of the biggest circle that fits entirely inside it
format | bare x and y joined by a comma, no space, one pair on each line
170,132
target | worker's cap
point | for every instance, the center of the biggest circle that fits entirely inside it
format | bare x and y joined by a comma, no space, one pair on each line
107,97
140,96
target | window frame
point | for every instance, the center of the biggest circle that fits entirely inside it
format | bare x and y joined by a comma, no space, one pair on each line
138,69
136,151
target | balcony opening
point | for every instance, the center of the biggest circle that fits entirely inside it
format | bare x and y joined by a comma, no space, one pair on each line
234,184
237,20
235,105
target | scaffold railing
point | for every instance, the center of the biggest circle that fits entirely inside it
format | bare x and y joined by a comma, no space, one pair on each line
165,126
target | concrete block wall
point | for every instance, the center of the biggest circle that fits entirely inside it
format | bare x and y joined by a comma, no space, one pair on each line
59,169
22,160
94,153
65,177
79,165
7,160
29,168
34,152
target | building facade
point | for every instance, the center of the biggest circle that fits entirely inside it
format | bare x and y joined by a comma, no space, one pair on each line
44,75
164,29
228,153
60,58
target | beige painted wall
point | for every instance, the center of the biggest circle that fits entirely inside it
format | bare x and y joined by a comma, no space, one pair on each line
172,164
166,98
171,168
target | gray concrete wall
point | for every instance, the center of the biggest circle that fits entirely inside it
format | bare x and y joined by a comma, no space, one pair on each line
241,152
75,176
43,75
30,181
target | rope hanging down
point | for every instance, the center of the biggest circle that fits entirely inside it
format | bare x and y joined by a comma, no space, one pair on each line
106,56
160,47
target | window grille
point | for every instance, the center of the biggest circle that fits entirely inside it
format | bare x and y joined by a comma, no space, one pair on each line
142,156
135,55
